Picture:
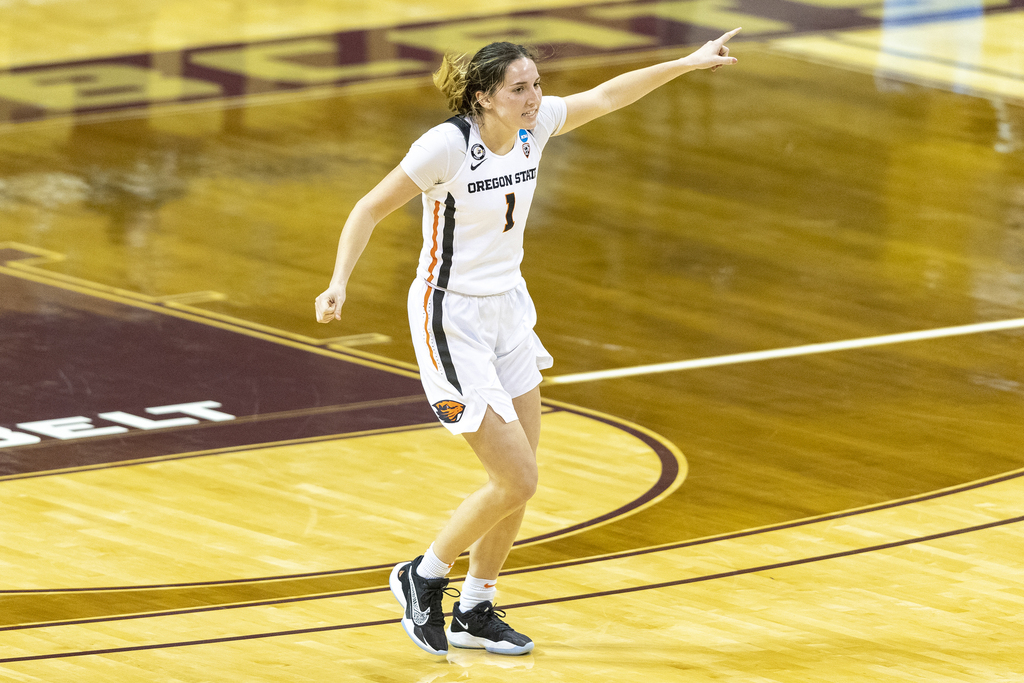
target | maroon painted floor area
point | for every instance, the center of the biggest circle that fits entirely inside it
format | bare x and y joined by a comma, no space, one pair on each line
85,380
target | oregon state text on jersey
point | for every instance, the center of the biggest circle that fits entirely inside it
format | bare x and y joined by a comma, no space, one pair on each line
473,223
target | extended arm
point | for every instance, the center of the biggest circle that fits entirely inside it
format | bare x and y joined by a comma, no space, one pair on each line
394,191
631,86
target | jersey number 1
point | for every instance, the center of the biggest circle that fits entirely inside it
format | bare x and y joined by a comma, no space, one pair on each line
510,206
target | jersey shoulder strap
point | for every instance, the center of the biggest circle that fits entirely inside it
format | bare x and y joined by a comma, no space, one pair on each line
462,124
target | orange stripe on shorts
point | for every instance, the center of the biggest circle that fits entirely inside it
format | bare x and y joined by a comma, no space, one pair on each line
430,278
426,326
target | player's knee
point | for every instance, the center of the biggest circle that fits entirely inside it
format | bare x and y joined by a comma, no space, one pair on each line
519,489
528,486
528,483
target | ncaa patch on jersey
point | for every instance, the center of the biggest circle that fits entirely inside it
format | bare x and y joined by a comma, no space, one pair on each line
449,411
523,135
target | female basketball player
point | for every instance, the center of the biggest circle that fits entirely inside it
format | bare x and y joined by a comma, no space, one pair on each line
471,316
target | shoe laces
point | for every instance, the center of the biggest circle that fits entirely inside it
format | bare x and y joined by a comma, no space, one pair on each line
433,596
493,616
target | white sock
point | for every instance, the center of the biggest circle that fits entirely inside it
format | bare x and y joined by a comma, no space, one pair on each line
474,591
431,567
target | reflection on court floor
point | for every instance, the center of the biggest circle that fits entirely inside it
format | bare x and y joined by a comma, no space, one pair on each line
200,485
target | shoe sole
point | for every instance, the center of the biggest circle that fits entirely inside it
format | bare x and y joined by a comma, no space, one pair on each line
467,642
407,625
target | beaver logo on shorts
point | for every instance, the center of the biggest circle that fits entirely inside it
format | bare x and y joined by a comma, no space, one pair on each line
449,411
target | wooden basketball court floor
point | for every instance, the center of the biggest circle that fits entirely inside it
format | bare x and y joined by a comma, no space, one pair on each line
781,440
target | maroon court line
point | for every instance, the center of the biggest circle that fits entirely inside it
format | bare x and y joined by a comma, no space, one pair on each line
569,598
669,472
778,527
570,563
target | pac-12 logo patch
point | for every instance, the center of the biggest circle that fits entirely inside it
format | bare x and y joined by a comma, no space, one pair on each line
526,149
449,411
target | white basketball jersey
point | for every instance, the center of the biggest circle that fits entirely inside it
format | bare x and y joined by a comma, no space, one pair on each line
473,224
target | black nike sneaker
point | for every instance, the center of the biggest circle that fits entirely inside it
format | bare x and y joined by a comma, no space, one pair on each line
424,618
482,628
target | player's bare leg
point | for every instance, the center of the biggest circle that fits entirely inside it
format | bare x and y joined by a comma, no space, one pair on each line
508,455
487,555
475,621
492,515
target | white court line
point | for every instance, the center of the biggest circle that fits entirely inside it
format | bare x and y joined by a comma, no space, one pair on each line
789,352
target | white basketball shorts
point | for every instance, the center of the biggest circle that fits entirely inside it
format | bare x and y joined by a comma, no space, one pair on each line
474,352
